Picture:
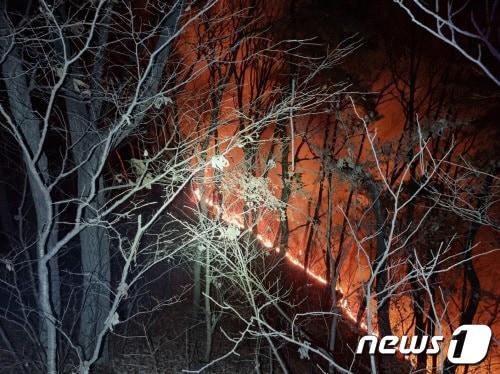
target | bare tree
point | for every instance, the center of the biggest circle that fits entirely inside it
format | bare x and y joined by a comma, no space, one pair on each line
90,77
465,26
388,280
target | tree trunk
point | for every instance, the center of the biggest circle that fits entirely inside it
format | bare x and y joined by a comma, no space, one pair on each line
94,239
468,314
285,190
332,272
215,100
416,291
22,113
319,200
96,270
383,307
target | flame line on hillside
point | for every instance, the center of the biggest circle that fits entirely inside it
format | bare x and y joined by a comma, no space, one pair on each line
235,220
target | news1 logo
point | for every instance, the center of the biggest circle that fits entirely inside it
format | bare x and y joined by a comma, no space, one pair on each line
468,345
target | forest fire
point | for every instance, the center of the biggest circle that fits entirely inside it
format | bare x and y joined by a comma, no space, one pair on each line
347,310
236,220
340,162
344,304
